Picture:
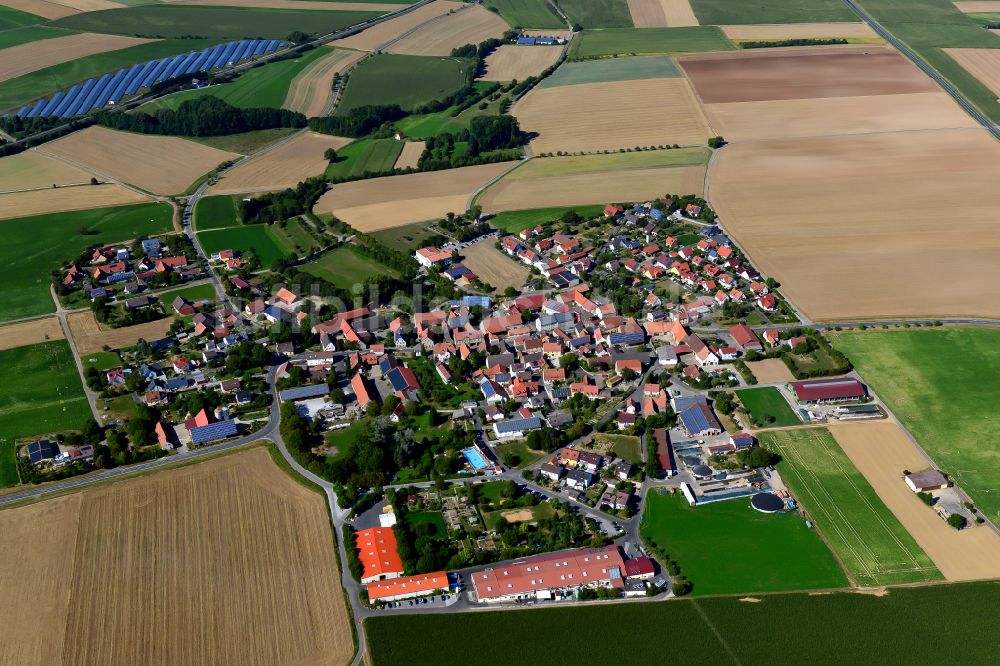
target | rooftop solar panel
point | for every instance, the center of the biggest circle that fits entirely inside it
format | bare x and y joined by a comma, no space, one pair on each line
214,431
66,101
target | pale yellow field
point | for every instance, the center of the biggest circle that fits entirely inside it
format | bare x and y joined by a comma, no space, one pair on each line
771,371
468,26
984,64
608,116
30,170
661,13
90,337
386,31
791,118
312,88
285,166
229,561
30,57
798,31
412,150
159,164
510,62
81,197
494,267
881,451
396,201
852,226
63,8
974,6
30,332
295,4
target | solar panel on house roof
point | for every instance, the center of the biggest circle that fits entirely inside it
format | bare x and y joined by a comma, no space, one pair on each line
303,392
519,425
214,431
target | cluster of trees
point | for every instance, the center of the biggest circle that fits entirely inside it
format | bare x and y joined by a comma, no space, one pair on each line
681,585
679,201
202,116
19,127
246,356
285,204
767,44
358,121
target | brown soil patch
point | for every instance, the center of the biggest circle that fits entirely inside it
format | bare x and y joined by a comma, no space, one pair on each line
57,10
984,64
469,26
494,267
802,73
518,515
312,88
852,226
608,116
661,13
792,118
519,62
396,201
771,371
82,197
30,332
90,337
798,31
386,31
412,150
974,6
232,553
30,170
159,164
881,451
296,4
33,56
285,166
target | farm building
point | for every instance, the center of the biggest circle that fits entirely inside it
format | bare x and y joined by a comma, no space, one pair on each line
921,482
378,553
664,451
407,587
699,421
557,575
304,392
214,432
514,428
745,337
828,390
431,256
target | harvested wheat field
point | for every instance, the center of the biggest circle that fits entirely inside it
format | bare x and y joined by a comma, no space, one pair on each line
235,556
799,31
977,6
771,371
386,31
661,13
984,64
608,116
803,73
80,197
30,170
285,166
158,164
494,267
30,332
793,118
510,62
90,337
61,9
860,220
396,201
315,5
471,25
33,56
312,88
408,157
881,451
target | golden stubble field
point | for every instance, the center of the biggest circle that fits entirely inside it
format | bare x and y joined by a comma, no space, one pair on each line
59,199
312,88
984,64
30,332
410,155
285,166
661,13
224,562
30,57
607,116
386,31
510,62
472,25
90,337
61,9
770,371
31,170
159,164
494,267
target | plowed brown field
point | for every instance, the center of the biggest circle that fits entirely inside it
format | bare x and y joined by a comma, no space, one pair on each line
90,337
30,57
494,267
285,166
661,13
312,88
608,116
519,62
81,197
984,64
30,170
408,157
469,26
386,31
30,332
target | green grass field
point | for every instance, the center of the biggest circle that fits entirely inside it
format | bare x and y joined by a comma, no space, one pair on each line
18,36
405,239
212,22
345,267
17,92
404,80
874,547
514,221
215,212
264,86
727,12
728,547
8,465
365,155
520,450
526,13
768,407
47,396
612,69
598,13
943,386
623,446
35,245
429,518
102,360
295,238
198,292
13,18
245,238
649,41
787,628
600,163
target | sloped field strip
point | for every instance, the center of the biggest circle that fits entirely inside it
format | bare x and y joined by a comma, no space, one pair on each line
471,25
386,31
511,61
285,166
661,13
632,68
779,31
31,170
312,88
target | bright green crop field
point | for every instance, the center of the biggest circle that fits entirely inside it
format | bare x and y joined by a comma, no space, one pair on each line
515,221
216,212
767,407
404,80
27,35
13,18
728,12
874,547
649,41
943,385
374,155
344,267
526,13
598,13
242,239
612,69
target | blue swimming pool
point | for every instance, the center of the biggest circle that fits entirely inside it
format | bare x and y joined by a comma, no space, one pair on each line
475,459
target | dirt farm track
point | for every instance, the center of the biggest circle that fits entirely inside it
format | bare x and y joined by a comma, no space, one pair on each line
227,562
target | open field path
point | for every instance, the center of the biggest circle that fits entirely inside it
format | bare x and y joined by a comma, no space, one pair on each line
68,334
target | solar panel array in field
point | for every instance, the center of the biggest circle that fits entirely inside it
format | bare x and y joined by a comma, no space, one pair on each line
108,89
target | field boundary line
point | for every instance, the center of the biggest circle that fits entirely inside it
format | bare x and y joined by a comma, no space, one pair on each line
718,635
493,181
